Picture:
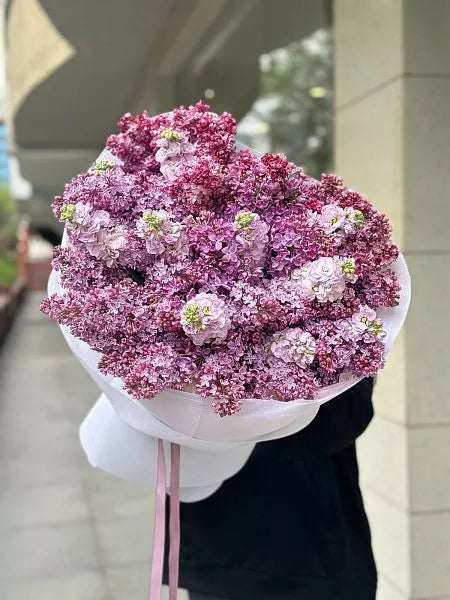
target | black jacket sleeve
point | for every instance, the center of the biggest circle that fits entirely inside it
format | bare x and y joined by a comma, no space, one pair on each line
341,420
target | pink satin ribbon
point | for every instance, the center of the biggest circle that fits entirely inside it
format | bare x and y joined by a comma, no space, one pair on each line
160,524
174,554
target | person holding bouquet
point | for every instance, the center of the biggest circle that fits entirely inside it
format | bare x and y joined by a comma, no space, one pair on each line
291,524
235,310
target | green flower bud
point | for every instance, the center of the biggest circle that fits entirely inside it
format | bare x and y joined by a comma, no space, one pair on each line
152,221
377,328
171,135
66,212
347,266
103,165
244,219
359,219
192,315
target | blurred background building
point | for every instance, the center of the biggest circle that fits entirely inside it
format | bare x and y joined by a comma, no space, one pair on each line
356,86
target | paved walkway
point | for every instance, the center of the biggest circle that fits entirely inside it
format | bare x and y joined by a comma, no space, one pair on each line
67,531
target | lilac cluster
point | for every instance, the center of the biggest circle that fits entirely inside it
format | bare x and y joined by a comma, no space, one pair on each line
192,265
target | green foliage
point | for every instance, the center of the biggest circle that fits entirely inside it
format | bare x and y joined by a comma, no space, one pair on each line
8,269
8,237
7,205
294,111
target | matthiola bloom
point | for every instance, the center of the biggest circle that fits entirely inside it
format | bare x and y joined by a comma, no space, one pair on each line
80,214
337,220
321,279
174,152
83,222
348,268
74,214
251,234
106,244
103,165
325,279
66,213
159,230
353,220
332,218
95,222
294,345
205,319
366,324
324,270
192,263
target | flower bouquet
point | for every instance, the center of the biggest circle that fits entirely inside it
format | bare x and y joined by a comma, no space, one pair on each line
217,297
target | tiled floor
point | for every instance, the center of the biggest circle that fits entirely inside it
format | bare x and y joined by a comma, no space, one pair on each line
67,531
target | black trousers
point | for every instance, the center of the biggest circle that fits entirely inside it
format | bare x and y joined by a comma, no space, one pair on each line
194,596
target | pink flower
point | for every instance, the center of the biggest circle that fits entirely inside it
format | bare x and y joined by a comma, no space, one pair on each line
365,323
363,318
80,214
92,224
348,268
323,270
205,319
106,243
326,292
294,345
354,220
174,153
84,223
93,229
322,279
159,230
332,218
251,234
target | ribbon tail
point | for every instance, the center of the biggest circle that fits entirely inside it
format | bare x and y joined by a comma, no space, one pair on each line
160,525
174,555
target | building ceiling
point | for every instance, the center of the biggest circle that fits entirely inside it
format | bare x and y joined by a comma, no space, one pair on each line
132,55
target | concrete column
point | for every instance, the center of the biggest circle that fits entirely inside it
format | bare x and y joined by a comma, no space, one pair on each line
392,142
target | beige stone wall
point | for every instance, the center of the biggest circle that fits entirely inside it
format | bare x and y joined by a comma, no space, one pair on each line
392,142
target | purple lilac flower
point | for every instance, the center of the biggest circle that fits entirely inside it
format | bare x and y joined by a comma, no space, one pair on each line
286,382
205,319
79,271
313,218
187,257
148,375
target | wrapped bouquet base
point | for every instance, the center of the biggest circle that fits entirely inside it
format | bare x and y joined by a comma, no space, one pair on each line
189,263
115,447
